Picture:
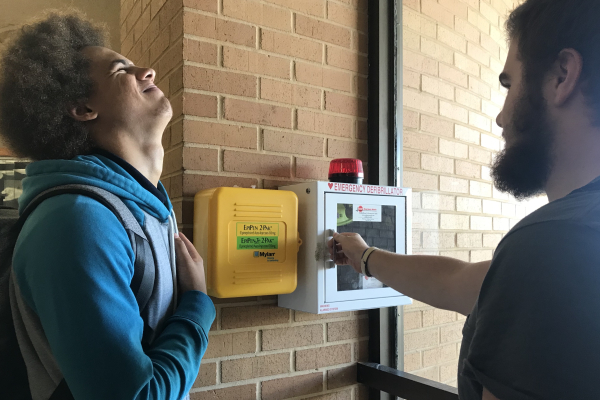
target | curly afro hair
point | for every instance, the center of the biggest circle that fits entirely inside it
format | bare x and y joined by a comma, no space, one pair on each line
43,72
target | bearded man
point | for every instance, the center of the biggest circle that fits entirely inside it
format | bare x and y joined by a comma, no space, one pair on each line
533,328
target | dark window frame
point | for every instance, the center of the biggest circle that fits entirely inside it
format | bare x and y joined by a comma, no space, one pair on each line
386,331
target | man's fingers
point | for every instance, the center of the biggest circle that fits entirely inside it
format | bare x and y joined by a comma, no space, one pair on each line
180,248
190,248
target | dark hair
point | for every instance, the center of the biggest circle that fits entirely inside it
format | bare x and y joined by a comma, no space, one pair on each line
545,27
43,73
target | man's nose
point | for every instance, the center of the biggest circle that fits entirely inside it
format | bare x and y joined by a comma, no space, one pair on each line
145,74
499,119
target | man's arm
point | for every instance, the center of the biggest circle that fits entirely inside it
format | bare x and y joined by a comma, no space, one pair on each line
442,282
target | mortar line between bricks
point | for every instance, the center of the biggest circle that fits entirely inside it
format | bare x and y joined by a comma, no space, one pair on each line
261,139
295,83
454,158
265,152
206,146
453,102
329,67
255,100
170,47
325,392
291,349
236,175
204,39
171,175
320,19
260,50
220,108
124,19
173,148
262,379
257,35
180,90
447,46
283,105
286,325
220,159
446,175
277,103
293,33
293,166
178,39
234,45
294,323
434,326
258,337
134,22
219,58
259,330
258,380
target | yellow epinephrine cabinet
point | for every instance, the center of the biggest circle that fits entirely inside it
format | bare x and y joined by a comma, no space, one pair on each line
248,239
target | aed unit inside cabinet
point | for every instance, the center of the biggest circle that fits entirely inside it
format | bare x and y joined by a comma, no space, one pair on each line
380,214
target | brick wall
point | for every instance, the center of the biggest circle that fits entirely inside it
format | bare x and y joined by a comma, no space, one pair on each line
264,93
454,51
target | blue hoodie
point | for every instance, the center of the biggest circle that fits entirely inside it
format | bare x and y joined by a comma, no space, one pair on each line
73,264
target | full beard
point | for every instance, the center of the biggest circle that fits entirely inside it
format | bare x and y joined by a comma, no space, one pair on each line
523,167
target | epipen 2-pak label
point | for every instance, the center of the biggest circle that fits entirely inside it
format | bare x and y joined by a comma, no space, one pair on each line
257,235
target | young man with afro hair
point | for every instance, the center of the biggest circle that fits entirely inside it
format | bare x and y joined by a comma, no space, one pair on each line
87,115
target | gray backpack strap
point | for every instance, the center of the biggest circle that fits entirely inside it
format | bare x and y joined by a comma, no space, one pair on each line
142,283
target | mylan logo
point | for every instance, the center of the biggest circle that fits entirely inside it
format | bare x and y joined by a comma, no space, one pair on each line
263,254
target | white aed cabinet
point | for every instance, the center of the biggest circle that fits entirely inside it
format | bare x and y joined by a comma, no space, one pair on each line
380,214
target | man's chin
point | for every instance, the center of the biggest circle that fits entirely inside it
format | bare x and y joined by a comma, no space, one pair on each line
521,172
164,108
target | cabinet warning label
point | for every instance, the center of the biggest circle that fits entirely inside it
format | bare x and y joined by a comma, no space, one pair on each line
366,213
257,236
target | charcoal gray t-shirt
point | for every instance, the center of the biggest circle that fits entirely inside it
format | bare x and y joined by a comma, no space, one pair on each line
534,332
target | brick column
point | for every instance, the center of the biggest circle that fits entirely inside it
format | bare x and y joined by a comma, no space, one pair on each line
264,93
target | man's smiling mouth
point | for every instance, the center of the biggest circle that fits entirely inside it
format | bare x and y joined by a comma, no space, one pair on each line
150,88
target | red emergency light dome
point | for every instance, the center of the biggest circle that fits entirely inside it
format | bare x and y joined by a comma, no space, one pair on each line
346,170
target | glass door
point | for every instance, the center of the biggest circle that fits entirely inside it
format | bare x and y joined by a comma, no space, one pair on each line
380,220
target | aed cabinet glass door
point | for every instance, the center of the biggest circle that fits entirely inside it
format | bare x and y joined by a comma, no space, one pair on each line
381,221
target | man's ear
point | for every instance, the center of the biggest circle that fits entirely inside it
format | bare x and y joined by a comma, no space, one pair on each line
567,74
82,113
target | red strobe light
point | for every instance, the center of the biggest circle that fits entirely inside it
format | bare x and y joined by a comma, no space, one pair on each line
348,170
